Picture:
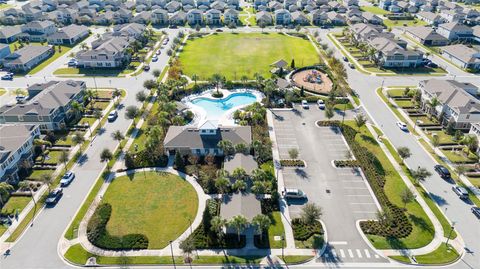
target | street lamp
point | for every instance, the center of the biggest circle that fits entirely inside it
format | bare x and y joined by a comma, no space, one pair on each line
450,233
173,258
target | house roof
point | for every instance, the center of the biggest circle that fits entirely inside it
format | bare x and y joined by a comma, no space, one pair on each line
455,26
12,137
69,31
463,53
425,33
247,205
247,162
26,54
280,63
9,31
428,15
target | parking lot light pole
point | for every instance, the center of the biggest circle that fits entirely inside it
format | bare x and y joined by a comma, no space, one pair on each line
450,233
173,258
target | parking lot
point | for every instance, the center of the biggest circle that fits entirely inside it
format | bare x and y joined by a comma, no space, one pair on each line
342,193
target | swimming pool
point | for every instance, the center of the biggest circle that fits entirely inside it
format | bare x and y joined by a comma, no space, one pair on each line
216,108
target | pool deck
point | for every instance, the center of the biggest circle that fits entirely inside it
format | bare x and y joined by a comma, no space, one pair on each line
227,118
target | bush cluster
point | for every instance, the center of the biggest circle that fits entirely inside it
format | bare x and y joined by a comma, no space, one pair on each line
302,231
269,205
145,159
292,163
346,163
98,235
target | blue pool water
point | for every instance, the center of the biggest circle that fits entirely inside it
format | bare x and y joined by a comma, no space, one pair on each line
216,108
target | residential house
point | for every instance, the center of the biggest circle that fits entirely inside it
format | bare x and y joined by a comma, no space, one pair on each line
108,52
371,18
49,105
178,18
4,51
245,204
173,6
131,30
69,35
244,161
144,17
335,18
426,36
264,18
430,18
455,31
213,17
38,31
160,16
218,5
194,17
16,150
9,34
274,5
230,16
318,17
27,57
452,15
203,140
258,3
463,56
282,17
233,4
458,103
299,18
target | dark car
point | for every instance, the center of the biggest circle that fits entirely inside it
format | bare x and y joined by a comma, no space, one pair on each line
54,196
442,171
7,77
432,65
146,68
476,211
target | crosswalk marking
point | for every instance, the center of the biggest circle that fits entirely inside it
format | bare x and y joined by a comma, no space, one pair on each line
334,253
376,256
359,253
342,253
350,253
367,253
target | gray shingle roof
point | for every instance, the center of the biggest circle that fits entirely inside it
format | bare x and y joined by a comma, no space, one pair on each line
247,162
69,31
12,137
26,54
462,53
246,205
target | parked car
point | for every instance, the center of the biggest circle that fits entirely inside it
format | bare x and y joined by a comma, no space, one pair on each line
67,178
72,63
321,104
165,41
442,171
54,196
402,126
21,99
154,58
432,65
345,59
158,52
460,191
294,194
112,116
305,104
476,211
146,67
219,30
351,66
7,77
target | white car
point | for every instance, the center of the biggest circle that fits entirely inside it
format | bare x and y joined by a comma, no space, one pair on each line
402,126
21,99
154,58
305,104
72,63
321,104
158,52
112,116
460,191
67,178
294,194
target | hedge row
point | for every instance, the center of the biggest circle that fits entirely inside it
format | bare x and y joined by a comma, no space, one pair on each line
398,225
98,235
302,231
346,163
145,159
292,163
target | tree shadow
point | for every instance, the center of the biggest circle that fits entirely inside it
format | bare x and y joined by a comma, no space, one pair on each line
438,199
421,223
82,159
395,243
301,173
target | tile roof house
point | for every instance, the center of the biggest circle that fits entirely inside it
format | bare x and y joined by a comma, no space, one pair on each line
178,18
27,57
458,102
9,34
213,17
69,35
194,17
426,36
48,105
247,162
463,56
299,18
318,17
203,140
160,16
455,31
245,204
16,148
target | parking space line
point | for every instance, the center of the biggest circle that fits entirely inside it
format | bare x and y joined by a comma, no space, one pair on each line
376,256
367,253
350,253
359,253
360,195
342,253
334,253
355,188
338,243
362,203
364,212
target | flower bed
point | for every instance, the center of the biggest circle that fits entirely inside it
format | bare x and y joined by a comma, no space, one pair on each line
302,231
292,163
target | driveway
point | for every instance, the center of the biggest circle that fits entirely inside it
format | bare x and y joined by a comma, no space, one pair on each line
342,193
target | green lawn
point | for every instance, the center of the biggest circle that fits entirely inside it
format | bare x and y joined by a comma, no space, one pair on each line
5,6
105,72
276,229
86,120
442,255
400,23
2,91
158,205
36,174
235,55
52,158
375,10
423,230
404,103
459,156
56,55
296,259
443,138
15,203
475,181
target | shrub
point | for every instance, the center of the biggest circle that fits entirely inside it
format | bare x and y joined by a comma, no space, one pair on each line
302,232
269,205
97,233
292,163
217,94
346,163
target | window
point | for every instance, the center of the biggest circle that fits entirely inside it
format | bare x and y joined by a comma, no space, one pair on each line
20,118
40,118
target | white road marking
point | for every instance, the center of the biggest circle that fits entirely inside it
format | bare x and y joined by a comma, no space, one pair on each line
359,253
334,253
367,253
376,256
342,253
338,243
361,195
355,188
362,203
364,212
350,253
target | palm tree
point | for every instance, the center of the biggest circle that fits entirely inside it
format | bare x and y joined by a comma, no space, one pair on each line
471,142
238,223
76,109
47,179
262,223
420,174
360,120
195,78
329,113
259,187
89,97
5,190
239,185
131,113
217,79
404,152
244,79
78,138
63,158
217,224
310,213
433,103
407,197
227,147
187,245
222,184
118,136
105,156
239,174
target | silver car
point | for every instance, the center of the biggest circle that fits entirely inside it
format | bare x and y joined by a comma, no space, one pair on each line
294,194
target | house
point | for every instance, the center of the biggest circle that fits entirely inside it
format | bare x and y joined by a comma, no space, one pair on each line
452,15
457,102
245,204
230,16
160,16
38,31
369,17
69,35
49,105
144,17
430,18
426,36
16,150
335,18
245,161
131,30
318,17
27,57
299,18
274,5
213,17
203,140
178,18
455,31
264,18
173,6
463,56
105,53
9,34
219,5
194,17
258,3
4,51
282,17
